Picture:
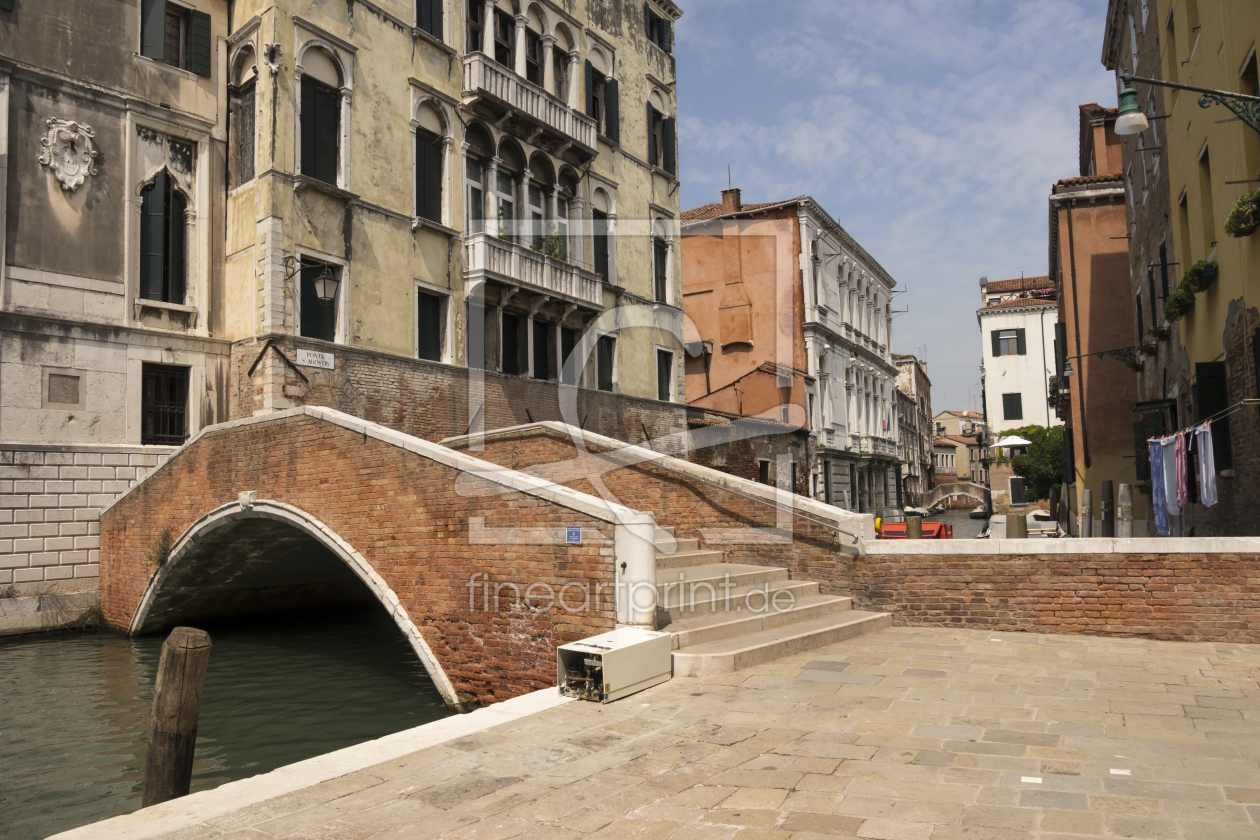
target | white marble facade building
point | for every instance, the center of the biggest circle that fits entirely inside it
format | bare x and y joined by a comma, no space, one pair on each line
848,340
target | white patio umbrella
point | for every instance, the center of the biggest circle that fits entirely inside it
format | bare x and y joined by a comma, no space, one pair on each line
1012,441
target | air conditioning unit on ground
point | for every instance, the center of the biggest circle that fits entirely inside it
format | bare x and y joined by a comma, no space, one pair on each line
613,665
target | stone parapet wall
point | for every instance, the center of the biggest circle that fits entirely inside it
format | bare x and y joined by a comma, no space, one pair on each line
1182,589
50,500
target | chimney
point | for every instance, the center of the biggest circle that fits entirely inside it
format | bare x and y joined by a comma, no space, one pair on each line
730,201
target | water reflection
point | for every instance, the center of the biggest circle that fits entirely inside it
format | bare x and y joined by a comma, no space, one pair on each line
74,710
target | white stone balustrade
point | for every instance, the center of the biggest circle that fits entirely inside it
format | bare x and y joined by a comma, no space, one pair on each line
510,262
486,77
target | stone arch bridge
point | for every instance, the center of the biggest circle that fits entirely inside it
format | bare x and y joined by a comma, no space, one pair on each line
942,492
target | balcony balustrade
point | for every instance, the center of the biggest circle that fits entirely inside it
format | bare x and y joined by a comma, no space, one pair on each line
509,262
486,78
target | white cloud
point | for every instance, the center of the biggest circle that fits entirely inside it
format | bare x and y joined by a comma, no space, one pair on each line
931,130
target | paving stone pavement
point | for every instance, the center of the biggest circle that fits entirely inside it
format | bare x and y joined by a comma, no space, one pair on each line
905,734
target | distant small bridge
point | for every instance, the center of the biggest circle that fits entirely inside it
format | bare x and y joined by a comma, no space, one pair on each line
942,492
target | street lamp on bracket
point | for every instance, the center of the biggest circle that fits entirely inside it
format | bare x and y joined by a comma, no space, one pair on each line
325,282
1133,121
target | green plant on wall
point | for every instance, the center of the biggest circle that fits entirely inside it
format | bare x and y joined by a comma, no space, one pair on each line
159,548
1200,276
1244,216
1178,303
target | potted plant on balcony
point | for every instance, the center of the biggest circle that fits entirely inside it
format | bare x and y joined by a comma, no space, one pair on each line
1134,364
1179,302
1244,218
1157,333
1200,276
552,245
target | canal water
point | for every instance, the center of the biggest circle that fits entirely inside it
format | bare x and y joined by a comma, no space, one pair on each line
74,710
965,528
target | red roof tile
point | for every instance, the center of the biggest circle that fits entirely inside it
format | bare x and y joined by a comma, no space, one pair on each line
1090,179
1095,108
712,211
1018,302
1020,284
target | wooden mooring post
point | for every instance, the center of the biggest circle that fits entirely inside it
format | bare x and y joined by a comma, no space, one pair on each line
176,706
914,527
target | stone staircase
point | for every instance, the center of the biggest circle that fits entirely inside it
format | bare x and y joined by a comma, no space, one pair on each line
730,616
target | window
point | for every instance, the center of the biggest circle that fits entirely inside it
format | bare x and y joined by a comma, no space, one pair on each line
605,356
533,58
1009,342
602,103
164,405
1142,165
513,336
664,375
1012,407
794,479
1183,224
569,365
1133,45
162,241
242,116
1211,396
429,333
1163,269
475,202
1172,66
429,17
318,317
428,176
536,213
542,359
1150,282
660,265
1141,327
176,35
660,31
599,234
475,26
321,130
562,223
1205,197
560,70
503,39
505,204
656,136
763,471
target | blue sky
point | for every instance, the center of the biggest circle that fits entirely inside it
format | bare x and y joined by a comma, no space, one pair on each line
932,130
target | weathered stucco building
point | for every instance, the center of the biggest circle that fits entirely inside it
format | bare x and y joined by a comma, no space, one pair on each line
1016,320
793,322
1183,175
445,216
915,427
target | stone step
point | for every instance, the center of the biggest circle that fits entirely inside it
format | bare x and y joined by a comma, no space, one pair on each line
717,626
666,544
684,559
716,574
723,656
734,602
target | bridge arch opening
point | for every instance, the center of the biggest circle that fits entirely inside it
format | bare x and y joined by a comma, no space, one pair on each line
259,556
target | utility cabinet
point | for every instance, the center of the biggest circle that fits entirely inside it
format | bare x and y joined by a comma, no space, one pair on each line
614,665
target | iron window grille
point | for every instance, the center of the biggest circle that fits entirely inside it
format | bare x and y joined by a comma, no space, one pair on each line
164,405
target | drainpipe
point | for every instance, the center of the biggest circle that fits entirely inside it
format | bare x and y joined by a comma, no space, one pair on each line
1076,318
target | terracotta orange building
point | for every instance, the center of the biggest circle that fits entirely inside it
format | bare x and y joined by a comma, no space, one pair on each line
1089,262
789,319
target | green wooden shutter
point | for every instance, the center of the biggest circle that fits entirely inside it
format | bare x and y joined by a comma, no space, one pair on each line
6,5
308,127
590,89
647,21
667,35
612,105
198,45
429,17
152,238
428,179
176,264
604,363
1021,345
671,145
997,343
153,29
651,135
245,135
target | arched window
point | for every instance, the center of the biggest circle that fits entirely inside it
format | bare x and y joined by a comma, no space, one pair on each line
602,99
163,241
662,133
321,108
660,262
430,151
480,149
242,110
539,192
534,58
506,189
563,54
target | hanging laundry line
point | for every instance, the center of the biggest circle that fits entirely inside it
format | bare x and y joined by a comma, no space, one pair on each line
1220,415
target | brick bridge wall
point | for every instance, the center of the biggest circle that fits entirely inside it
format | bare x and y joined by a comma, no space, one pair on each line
1185,596
400,511
430,400
694,508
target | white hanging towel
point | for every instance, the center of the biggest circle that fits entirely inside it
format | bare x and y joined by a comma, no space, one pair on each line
1170,474
1207,464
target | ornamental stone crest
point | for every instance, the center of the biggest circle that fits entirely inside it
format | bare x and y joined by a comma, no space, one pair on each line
68,152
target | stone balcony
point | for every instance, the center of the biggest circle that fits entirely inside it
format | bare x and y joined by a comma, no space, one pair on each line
489,257
873,445
491,84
